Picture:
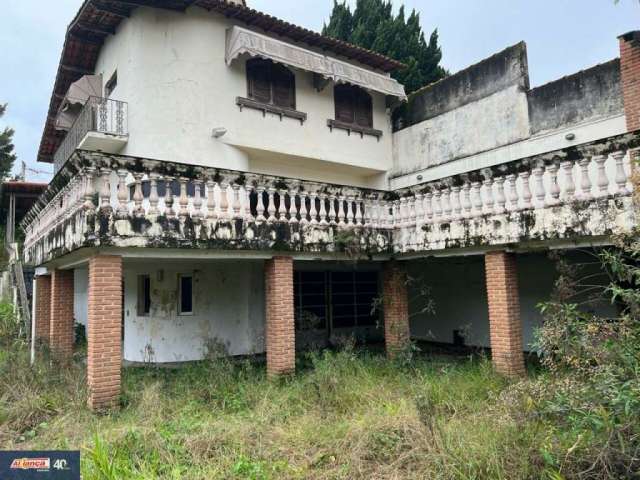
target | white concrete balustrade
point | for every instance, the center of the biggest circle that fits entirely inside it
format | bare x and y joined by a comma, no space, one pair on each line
191,198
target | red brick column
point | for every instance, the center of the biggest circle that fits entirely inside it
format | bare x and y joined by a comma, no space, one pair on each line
280,327
43,308
630,78
396,308
104,336
504,313
61,334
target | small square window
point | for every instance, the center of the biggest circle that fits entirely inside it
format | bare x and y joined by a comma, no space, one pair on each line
144,295
185,295
111,85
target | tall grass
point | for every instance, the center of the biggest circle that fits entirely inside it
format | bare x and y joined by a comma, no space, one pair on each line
345,415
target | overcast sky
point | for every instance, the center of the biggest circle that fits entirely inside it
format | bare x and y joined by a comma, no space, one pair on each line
563,36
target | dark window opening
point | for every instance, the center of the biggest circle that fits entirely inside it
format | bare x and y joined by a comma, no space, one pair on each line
186,294
144,295
353,106
271,83
111,85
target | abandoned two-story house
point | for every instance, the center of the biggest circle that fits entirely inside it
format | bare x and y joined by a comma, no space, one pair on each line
223,177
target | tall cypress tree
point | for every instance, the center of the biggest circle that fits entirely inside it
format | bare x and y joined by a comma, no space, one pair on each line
7,157
373,25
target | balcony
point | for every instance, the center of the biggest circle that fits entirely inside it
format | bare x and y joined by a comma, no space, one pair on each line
101,125
577,196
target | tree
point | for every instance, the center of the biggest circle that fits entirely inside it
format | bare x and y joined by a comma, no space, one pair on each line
373,25
7,157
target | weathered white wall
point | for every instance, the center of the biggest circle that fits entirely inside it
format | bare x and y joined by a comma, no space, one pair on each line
172,72
459,293
228,309
488,123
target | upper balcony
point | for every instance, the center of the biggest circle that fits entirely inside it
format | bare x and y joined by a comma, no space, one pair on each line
101,126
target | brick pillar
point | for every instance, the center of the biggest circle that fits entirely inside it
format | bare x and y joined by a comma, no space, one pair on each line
61,334
43,309
396,308
630,78
104,331
280,327
504,313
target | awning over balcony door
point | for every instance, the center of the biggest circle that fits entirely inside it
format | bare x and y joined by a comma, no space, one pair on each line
77,95
242,41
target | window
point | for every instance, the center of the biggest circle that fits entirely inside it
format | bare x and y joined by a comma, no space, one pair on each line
185,295
144,295
111,85
271,83
353,106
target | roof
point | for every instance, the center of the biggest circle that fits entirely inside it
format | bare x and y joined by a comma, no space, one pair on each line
97,19
26,188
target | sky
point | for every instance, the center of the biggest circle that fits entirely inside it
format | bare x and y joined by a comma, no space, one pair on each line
562,36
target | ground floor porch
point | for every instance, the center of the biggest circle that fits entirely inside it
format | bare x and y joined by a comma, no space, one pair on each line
173,308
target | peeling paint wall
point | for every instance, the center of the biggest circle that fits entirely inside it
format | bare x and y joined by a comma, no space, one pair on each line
464,307
172,72
228,311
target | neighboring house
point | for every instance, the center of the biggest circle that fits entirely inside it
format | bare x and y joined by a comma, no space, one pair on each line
227,179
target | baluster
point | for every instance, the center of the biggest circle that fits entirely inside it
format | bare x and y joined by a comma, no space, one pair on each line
500,197
375,213
621,175
323,209
183,200
282,207
271,207
260,207
197,201
466,200
554,188
603,181
419,208
476,199
211,200
153,194
89,190
248,216
105,191
526,190
349,207
411,206
540,193
402,212
456,206
224,200
437,205
332,209
293,214
358,217
367,212
303,207
489,200
585,181
341,210
428,207
569,183
123,194
168,197
446,204
313,212
513,192
138,197
236,201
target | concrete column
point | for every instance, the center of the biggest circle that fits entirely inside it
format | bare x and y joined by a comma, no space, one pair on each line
61,333
505,324
280,326
42,320
396,308
104,332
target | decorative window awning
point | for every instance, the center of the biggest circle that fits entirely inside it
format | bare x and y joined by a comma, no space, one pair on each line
242,41
79,92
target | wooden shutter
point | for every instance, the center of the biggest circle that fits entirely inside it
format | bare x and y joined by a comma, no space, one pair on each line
343,97
364,109
258,80
284,87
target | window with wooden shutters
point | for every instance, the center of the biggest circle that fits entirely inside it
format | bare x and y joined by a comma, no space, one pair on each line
354,111
271,83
